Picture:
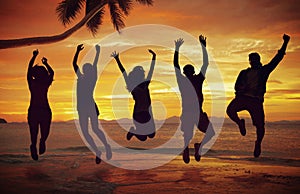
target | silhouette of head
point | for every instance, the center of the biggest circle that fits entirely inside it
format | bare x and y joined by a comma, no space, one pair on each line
87,69
188,70
254,60
39,73
135,77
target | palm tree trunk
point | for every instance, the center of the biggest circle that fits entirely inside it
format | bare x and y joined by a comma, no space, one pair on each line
13,43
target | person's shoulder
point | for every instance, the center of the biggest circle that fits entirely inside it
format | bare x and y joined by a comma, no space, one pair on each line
265,66
245,70
79,76
146,83
200,76
178,72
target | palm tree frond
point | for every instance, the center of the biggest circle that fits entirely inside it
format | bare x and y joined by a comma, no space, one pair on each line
116,15
94,23
125,6
145,2
67,10
90,4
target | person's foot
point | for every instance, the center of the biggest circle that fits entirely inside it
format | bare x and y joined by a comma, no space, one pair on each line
257,149
197,155
98,160
130,134
108,152
242,127
42,148
186,155
151,135
33,152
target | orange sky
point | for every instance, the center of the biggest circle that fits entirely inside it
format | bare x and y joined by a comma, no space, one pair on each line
234,29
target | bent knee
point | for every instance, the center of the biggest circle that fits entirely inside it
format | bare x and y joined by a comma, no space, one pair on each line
229,110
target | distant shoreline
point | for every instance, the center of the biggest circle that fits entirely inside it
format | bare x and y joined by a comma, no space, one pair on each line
173,119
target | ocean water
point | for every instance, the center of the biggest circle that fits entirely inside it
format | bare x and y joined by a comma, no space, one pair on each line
281,139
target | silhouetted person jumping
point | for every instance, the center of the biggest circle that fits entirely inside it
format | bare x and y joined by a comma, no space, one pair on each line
39,79
190,87
138,86
250,88
86,106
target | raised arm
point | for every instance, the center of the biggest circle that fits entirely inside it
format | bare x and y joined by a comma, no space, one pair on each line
150,73
75,66
202,40
97,47
115,55
30,65
279,56
178,43
49,68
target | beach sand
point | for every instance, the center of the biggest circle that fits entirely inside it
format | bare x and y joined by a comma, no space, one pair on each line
79,174
62,170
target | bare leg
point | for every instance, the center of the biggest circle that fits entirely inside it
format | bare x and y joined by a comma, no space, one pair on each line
100,135
232,109
34,130
187,127
83,121
45,129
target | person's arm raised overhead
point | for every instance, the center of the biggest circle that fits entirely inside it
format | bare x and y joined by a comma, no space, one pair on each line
30,65
279,56
115,55
178,44
150,73
97,47
75,66
49,68
202,41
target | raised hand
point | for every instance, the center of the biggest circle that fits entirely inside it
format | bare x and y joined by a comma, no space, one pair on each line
44,60
152,52
202,40
80,47
178,42
97,47
35,52
114,54
286,37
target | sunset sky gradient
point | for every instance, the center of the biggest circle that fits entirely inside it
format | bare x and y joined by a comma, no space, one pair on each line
234,28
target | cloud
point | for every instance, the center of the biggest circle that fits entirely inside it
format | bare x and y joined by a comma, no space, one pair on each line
275,81
284,91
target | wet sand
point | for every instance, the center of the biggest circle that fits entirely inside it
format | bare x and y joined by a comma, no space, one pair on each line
77,173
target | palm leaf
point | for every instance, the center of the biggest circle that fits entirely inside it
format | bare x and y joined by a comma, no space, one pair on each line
67,10
125,6
116,15
94,23
145,2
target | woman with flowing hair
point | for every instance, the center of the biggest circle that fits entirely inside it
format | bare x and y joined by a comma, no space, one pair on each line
138,86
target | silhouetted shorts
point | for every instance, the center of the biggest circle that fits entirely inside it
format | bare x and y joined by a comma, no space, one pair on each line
203,122
39,116
142,117
144,123
190,119
253,105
